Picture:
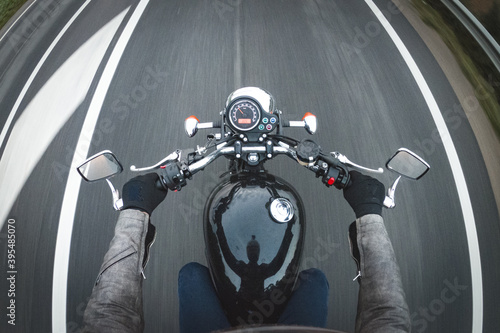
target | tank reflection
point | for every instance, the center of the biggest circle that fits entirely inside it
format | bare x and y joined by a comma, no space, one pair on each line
253,274
253,259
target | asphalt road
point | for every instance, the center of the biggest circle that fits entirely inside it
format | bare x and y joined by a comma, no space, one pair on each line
330,58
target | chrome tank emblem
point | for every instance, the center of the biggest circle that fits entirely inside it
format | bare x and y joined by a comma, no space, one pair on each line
281,210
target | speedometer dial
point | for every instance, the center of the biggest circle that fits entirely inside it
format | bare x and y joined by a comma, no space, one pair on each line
244,115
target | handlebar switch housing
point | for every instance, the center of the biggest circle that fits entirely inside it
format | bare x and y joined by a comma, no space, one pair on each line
173,177
336,176
331,177
343,178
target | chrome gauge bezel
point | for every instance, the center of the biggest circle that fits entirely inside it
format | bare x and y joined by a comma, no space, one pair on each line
232,110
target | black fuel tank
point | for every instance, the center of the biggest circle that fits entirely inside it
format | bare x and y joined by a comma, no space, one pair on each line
254,257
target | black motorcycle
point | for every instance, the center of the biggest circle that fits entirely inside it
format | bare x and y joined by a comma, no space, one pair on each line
254,222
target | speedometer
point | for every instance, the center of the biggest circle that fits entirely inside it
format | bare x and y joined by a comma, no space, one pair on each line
244,115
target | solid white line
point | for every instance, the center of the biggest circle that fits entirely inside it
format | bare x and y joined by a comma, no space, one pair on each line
456,168
14,23
95,47
66,220
47,112
35,72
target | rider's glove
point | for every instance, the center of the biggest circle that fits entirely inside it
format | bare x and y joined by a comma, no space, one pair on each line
365,194
142,193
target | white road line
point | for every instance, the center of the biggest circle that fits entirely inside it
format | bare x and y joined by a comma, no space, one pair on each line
34,74
47,113
66,220
456,167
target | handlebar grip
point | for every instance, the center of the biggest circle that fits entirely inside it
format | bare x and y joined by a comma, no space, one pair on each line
159,184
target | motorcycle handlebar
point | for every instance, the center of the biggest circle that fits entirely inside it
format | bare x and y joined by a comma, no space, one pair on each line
201,164
174,173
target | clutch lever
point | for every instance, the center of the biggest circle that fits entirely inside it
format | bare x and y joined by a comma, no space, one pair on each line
342,158
172,157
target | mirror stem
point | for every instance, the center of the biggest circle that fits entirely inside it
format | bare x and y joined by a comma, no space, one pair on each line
389,199
117,202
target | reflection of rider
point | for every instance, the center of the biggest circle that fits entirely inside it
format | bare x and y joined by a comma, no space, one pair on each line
116,301
252,274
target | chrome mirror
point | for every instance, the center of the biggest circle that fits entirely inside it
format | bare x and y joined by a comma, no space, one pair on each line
100,166
407,164
103,165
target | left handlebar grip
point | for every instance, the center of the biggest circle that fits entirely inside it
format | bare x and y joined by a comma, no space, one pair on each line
159,184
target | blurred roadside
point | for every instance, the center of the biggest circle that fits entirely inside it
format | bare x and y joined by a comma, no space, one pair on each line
488,13
472,75
8,8
472,59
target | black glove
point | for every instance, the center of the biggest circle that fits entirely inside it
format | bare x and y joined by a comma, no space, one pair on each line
142,193
365,194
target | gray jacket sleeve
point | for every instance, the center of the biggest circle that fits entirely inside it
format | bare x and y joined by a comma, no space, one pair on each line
116,301
381,301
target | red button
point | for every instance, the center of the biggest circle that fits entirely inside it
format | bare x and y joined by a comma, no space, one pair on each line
331,181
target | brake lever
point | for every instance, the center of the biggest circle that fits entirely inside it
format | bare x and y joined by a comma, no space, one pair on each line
342,158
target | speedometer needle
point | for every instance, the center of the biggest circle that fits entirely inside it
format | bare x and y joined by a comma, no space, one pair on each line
240,110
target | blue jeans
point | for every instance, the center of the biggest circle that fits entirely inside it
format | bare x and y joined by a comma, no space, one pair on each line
201,311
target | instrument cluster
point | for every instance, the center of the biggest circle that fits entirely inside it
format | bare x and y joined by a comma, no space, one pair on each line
246,115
